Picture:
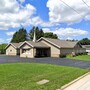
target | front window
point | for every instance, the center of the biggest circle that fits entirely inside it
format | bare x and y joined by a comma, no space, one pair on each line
25,50
10,50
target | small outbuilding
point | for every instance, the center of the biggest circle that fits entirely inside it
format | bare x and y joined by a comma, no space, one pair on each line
87,48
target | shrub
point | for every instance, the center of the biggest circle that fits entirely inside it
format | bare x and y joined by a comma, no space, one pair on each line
62,56
69,55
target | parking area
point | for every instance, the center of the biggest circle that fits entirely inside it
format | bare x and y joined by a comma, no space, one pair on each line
48,60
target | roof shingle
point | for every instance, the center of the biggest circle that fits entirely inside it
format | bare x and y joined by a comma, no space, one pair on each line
61,43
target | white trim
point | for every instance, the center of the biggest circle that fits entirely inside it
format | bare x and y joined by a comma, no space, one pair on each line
24,43
48,41
79,44
10,44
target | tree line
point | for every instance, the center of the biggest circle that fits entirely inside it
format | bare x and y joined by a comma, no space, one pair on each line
85,41
22,35
2,48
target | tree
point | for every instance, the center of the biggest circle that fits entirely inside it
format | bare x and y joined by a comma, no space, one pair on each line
2,48
39,33
84,41
19,36
50,35
22,35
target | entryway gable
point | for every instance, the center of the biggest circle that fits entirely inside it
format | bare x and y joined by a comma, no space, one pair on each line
28,44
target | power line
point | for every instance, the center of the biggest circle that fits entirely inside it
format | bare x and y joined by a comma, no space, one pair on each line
71,8
86,4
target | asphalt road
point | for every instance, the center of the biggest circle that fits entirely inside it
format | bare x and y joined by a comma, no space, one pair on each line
48,60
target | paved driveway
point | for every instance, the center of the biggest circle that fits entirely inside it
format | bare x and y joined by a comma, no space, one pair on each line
56,61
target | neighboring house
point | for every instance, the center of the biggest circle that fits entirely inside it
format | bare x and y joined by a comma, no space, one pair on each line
87,48
12,49
44,47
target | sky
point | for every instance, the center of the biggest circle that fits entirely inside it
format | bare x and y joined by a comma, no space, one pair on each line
69,19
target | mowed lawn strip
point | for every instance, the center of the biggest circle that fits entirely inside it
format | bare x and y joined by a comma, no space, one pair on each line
80,57
23,76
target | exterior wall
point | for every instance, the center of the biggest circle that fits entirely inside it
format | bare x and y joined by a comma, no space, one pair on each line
65,51
29,53
55,52
11,51
79,50
88,50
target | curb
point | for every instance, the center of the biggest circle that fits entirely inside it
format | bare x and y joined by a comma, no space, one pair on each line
67,85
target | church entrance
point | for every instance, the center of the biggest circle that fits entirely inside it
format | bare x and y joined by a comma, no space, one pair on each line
42,52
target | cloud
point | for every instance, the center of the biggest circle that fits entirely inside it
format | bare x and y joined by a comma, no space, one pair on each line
13,14
37,21
21,1
61,13
67,33
46,30
10,33
70,32
1,40
8,40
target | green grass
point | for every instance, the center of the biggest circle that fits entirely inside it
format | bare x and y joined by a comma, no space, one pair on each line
80,57
23,76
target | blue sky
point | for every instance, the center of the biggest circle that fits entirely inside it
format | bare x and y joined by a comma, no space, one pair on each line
51,15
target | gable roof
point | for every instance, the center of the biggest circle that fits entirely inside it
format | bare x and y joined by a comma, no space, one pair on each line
86,46
60,43
56,42
15,45
35,44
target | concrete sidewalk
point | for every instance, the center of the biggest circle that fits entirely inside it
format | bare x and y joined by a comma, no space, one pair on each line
81,84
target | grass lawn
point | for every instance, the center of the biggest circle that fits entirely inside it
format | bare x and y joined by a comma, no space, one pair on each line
23,76
80,57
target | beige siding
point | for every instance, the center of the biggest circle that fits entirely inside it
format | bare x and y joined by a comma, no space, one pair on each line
28,53
79,50
25,46
55,52
65,51
11,51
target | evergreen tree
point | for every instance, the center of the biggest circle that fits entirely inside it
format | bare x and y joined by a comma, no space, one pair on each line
39,33
50,35
19,36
